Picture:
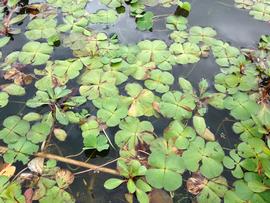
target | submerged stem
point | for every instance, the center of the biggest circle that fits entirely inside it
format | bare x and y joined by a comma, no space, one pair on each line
70,161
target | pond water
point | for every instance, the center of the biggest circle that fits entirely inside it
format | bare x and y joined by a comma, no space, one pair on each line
233,25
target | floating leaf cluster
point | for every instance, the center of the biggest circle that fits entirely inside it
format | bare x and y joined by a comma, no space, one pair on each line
259,9
107,84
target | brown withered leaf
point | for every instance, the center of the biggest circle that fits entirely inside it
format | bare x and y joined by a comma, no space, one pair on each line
156,106
7,170
208,135
18,77
28,194
196,183
159,196
36,165
64,178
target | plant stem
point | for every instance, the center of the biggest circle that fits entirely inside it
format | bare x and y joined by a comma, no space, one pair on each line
70,161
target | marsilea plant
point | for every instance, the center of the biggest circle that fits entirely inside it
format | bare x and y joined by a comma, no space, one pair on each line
108,84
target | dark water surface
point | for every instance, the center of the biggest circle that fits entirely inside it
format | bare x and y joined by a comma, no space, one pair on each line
232,25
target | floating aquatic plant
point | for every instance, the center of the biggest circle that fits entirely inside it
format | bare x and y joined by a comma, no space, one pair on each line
107,85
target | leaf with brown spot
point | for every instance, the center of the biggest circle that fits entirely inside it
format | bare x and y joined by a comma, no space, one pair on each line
196,183
64,178
7,170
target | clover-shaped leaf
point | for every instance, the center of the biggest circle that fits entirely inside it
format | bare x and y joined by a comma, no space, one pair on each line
176,22
177,105
213,191
111,110
245,4
233,83
153,51
35,53
179,36
96,84
145,22
248,129
225,54
264,114
134,132
235,163
92,139
68,69
21,138
182,134
250,188
241,106
41,28
103,16
141,71
131,168
251,147
185,53
206,157
141,100
200,34
112,3
260,11
10,191
117,71
165,171
74,24
159,81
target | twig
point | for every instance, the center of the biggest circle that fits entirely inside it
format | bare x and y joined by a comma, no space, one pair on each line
70,161
108,138
88,170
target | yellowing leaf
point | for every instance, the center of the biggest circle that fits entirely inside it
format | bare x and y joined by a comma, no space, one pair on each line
7,170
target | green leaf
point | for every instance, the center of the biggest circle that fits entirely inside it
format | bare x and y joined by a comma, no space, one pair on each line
225,54
153,51
185,53
92,139
176,23
185,85
213,191
112,183
69,69
141,100
96,84
111,111
35,53
145,22
21,139
199,124
13,89
257,186
4,41
131,186
241,106
182,134
159,81
134,132
104,16
142,196
41,28
210,155
3,99
60,116
32,116
60,134
177,105
165,171
199,34
260,11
